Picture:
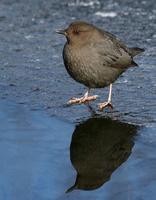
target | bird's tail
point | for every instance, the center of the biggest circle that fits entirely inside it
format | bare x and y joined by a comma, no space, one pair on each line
135,51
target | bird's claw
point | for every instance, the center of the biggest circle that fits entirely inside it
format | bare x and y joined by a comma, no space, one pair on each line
82,100
108,104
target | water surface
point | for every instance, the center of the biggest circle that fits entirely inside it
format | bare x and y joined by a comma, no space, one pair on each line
42,157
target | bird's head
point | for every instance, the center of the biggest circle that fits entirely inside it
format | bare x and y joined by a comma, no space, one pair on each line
79,32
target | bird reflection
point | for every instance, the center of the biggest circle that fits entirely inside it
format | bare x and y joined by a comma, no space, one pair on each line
98,147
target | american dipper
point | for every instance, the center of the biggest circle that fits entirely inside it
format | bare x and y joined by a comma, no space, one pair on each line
95,58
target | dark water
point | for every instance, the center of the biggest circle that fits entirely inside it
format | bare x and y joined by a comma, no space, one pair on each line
42,157
47,148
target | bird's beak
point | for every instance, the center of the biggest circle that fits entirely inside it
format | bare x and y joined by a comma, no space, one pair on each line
72,188
63,32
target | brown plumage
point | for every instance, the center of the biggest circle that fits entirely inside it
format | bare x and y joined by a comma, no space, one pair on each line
95,58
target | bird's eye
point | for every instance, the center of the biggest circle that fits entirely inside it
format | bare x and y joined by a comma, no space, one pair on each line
76,32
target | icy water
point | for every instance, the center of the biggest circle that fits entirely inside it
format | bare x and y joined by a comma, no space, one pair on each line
48,148
44,157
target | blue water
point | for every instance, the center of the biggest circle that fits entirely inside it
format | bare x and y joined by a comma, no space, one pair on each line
40,157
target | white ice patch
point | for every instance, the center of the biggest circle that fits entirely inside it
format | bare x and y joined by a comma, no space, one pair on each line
106,14
85,4
28,37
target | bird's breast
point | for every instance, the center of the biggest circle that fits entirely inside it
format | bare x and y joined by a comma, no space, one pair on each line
85,66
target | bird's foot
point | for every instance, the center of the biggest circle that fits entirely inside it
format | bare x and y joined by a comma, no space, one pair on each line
104,105
81,100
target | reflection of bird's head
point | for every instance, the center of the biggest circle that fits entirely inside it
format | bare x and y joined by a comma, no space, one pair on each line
98,147
79,32
90,182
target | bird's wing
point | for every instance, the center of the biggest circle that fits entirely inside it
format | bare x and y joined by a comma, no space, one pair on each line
120,44
113,52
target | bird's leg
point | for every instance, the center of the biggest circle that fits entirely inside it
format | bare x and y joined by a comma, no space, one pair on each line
108,103
86,98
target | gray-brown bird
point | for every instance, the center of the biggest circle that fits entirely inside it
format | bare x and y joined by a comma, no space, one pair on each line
95,58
